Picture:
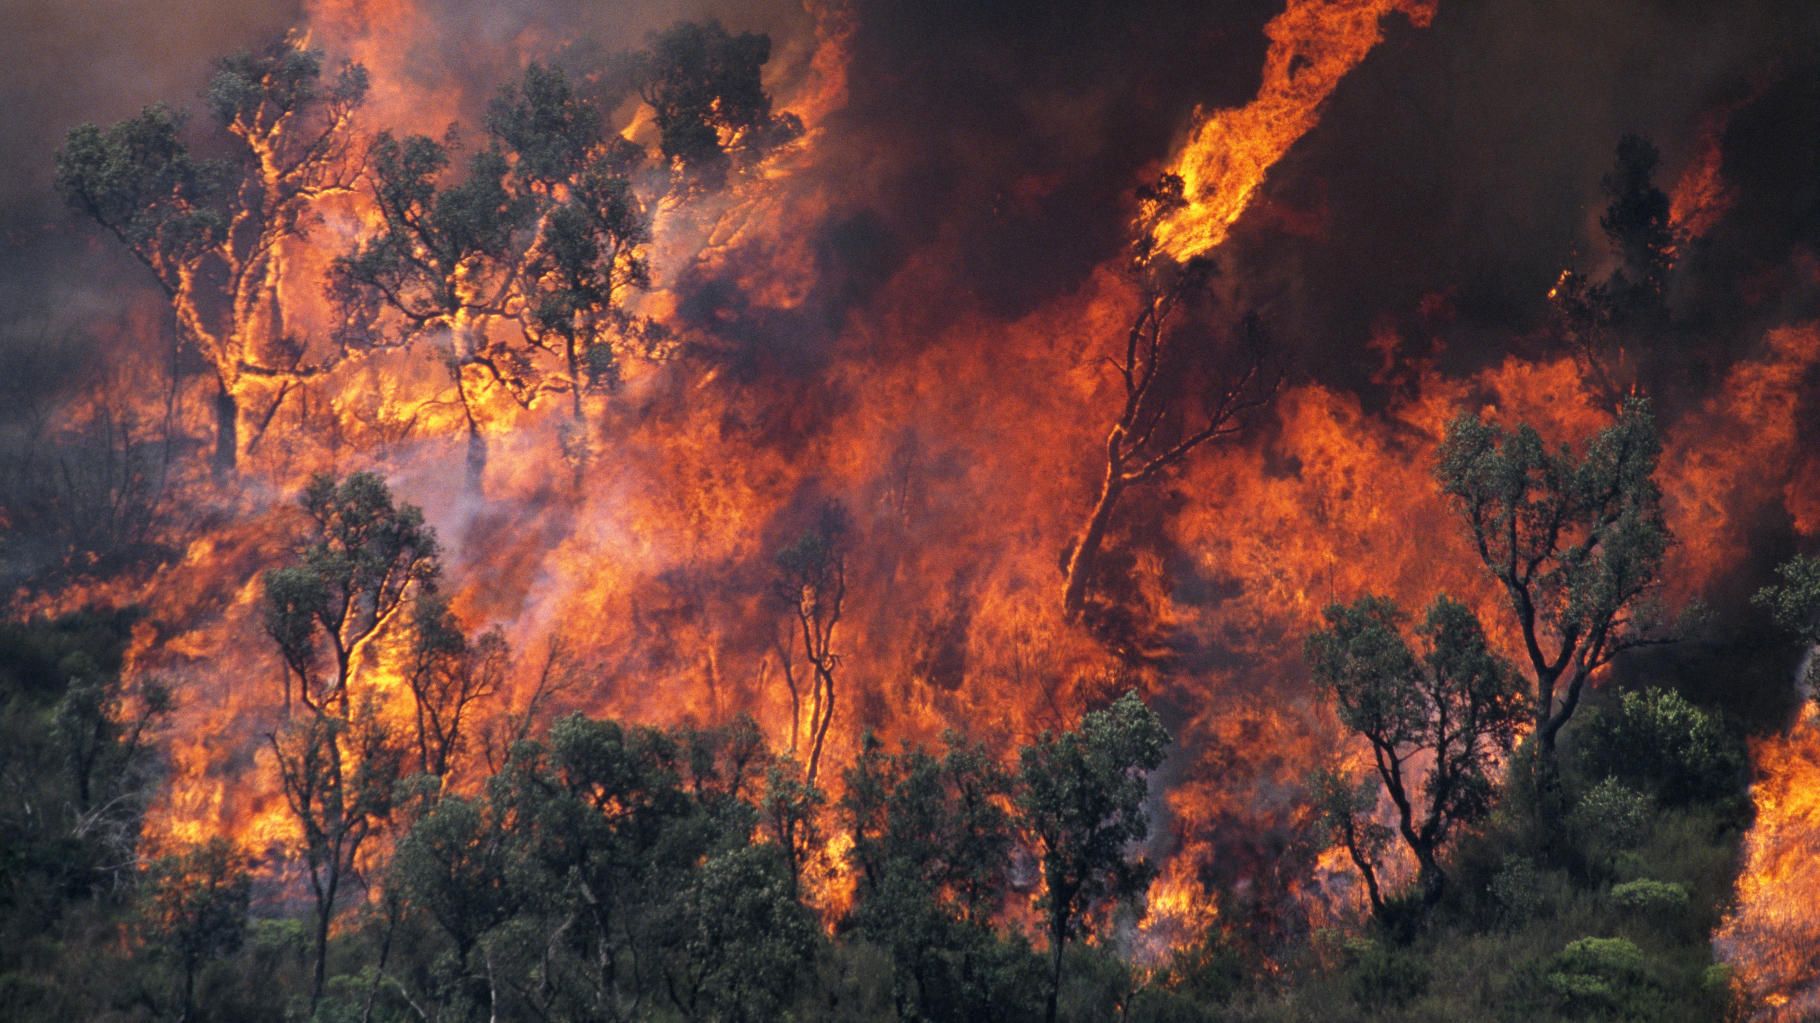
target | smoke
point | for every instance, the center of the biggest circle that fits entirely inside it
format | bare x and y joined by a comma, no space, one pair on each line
1463,162
1005,140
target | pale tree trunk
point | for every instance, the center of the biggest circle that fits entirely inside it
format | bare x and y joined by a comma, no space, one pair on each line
475,479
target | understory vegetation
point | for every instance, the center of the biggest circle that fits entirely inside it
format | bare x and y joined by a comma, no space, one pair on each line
606,870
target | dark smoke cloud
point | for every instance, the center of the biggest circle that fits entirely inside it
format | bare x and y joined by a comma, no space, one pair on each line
1019,130
1464,161
1463,158
64,63
1452,177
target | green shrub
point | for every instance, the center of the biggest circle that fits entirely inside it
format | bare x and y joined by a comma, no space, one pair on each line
1603,976
1657,741
1646,895
1384,977
1519,891
1610,818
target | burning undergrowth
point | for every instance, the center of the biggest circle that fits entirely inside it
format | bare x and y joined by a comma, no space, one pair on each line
878,324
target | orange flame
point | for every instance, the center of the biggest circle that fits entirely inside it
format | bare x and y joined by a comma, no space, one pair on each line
1772,938
1313,44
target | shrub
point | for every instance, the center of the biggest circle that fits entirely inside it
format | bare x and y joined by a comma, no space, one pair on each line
1610,818
1519,892
1603,976
1646,895
1383,977
1657,741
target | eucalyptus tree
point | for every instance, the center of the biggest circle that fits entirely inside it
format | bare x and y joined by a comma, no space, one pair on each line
1082,797
517,272
365,561
1181,387
213,231
1437,719
1575,541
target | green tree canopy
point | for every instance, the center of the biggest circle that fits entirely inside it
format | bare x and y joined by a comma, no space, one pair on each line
1453,706
1082,799
213,231
363,561
1575,541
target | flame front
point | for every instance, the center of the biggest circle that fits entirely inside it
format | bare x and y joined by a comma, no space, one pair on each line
964,441
1773,934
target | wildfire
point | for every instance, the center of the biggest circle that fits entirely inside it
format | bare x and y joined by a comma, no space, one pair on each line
1701,195
1313,44
960,443
1772,938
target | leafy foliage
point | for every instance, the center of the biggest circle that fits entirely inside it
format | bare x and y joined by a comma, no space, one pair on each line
1576,543
1083,799
712,111
210,229
932,837
1456,706
1655,740
365,559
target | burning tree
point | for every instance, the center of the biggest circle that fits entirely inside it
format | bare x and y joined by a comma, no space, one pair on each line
591,248
812,584
1595,316
367,559
338,763
447,676
528,259
1453,708
531,253
1153,433
445,264
213,232
713,115
1575,542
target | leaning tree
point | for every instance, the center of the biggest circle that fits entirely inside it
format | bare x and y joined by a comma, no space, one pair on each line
1183,386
